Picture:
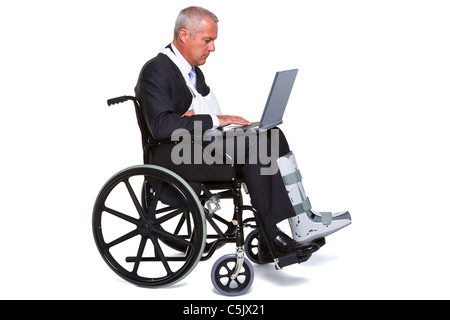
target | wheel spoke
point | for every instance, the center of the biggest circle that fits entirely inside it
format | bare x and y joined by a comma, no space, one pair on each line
136,202
228,285
139,255
121,215
161,255
240,285
123,238
173,237
180,224
170,215
188,223
166,209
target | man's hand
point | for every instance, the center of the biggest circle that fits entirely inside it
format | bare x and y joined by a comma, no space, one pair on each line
188,113
223,120
226,120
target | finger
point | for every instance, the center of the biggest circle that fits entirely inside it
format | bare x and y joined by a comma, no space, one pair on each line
243,121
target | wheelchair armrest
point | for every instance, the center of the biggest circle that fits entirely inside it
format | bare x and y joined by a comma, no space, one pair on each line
120,100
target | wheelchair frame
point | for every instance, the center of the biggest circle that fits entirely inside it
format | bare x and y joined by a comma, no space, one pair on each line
178,233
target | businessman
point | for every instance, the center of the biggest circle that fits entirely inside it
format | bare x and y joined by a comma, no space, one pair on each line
174,95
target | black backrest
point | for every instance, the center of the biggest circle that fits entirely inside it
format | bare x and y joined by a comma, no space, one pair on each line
147,139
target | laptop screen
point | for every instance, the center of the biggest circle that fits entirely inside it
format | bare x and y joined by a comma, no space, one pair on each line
278,98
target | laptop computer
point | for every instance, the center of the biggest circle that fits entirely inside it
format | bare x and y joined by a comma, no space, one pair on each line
276,102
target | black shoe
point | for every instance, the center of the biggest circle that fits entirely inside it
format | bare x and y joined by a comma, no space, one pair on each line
283,245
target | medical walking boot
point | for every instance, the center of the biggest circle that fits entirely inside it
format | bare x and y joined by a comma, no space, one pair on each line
308,225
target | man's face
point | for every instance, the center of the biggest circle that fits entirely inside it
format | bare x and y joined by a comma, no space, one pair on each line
199,47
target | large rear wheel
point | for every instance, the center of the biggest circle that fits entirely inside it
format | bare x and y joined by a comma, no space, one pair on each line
132,237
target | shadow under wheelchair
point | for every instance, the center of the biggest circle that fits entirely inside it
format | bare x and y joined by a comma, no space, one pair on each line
285,279
320,259
268,273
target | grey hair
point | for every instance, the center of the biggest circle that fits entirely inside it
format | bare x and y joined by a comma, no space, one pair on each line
189,19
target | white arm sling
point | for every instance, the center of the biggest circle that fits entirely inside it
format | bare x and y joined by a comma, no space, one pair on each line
200,104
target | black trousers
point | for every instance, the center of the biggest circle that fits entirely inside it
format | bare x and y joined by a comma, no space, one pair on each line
257,164
254,155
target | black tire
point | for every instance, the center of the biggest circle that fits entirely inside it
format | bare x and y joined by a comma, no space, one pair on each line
131,236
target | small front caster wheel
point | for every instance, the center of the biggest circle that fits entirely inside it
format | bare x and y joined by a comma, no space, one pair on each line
222,272
251,246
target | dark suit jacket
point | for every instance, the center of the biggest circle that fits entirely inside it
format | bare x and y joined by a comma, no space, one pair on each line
164,97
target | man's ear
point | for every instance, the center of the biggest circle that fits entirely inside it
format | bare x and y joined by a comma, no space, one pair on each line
183,34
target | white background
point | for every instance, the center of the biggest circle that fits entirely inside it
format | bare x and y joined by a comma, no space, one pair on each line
367,120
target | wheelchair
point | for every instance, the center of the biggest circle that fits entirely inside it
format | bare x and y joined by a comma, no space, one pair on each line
152,228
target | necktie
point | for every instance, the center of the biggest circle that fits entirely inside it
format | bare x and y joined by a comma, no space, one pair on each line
193,77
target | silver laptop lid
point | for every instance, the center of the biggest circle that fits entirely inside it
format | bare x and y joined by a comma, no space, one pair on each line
278,98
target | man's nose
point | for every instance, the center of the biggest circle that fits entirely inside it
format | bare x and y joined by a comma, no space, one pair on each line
211,47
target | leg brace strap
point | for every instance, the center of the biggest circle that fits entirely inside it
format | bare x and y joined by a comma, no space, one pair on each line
327,217
292,177
302,207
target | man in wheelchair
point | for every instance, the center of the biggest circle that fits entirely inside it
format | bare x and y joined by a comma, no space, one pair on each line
174,95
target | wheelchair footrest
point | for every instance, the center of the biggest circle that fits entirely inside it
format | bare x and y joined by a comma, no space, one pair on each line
298,257
287,260
291,258
320,242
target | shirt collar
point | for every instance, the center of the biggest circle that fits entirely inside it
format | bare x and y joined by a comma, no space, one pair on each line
185,66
